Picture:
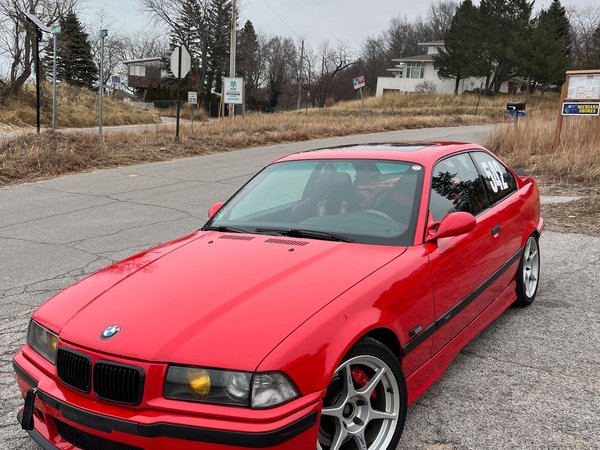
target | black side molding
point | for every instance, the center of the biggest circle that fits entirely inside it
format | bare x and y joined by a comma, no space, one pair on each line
456,309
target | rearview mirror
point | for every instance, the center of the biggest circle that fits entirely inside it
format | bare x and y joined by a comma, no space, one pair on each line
454,224
214,209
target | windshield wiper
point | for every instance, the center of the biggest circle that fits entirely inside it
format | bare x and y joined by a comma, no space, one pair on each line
310,234
224,229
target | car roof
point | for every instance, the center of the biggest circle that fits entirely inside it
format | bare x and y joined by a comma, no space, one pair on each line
422,152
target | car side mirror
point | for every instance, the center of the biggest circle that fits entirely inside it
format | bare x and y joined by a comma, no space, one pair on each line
214,209
454,224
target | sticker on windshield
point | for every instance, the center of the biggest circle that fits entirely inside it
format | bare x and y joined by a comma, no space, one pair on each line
416,168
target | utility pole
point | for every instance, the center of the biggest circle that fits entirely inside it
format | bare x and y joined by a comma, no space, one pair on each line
300,74
232,52
103,34
55,32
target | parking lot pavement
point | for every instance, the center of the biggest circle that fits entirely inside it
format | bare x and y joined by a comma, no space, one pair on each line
529,381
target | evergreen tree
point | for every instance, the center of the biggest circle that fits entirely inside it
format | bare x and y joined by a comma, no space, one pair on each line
503,26
219,43
547,55
249,58
74,62
460,56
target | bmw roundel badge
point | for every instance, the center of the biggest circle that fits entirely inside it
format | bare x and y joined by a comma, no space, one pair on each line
111,331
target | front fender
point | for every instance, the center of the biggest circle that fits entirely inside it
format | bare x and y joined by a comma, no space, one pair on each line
397,297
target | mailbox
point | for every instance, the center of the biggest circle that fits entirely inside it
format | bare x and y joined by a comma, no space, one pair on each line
515,106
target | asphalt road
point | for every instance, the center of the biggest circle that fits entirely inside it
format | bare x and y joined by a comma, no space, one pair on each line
529,381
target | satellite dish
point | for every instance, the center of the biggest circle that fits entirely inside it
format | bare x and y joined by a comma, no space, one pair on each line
38,23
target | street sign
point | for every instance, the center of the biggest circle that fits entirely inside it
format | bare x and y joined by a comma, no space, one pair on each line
580,109
115,79
359,82
186,62
193,98
56,29
234,91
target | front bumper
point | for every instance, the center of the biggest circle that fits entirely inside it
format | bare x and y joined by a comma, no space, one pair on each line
61,424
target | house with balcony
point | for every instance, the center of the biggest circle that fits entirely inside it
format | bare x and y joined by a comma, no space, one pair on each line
417,74
143,73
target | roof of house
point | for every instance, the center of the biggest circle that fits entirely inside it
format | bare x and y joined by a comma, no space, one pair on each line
415,58
143,60
432,43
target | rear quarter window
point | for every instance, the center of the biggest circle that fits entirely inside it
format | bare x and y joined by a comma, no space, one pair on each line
498,180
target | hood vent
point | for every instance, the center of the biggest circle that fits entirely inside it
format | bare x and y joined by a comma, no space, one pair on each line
286,242
237,238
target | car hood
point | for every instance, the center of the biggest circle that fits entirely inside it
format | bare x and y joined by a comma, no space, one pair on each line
219,300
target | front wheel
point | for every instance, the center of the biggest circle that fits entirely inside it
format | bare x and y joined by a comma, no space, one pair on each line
529,273
365,404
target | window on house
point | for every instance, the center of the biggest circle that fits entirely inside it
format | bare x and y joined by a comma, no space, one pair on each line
415,70
137,71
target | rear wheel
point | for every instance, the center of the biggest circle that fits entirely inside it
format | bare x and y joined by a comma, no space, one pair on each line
529,272
365,404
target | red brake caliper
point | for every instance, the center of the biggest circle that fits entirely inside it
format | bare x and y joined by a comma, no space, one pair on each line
360,377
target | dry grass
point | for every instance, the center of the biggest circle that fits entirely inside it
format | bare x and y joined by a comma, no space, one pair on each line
75,108
53,154
576,159
200,114
416,105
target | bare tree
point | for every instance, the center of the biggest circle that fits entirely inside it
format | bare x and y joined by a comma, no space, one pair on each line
281,67
333,61
18,39
584,23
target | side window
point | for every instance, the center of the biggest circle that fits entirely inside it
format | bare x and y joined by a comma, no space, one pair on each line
456,186
499,182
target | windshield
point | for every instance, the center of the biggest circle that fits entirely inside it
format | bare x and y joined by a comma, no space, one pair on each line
354,200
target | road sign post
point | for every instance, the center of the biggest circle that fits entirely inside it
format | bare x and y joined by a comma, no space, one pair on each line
181,63
193,101
40,28
359,83
55,32
103,35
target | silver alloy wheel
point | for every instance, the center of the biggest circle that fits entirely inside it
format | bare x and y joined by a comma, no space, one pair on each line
531,266
358,415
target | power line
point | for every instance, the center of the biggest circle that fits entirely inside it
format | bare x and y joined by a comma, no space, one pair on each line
282,19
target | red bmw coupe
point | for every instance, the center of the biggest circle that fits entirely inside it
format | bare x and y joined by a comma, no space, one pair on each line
312,308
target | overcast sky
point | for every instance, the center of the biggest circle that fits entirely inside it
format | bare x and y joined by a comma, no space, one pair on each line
347,20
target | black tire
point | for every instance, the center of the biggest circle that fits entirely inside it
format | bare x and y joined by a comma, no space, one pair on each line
367,357
526,292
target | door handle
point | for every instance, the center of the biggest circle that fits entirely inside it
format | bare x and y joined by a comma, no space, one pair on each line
496,230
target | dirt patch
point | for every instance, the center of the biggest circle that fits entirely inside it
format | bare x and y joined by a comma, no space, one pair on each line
580,216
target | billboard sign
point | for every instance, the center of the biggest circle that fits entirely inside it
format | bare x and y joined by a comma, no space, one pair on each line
233,91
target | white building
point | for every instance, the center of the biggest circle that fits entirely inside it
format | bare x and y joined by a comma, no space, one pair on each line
417,74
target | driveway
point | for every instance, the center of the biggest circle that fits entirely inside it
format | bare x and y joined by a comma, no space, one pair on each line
528,381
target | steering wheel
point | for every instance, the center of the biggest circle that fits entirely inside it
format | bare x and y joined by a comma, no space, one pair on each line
379,213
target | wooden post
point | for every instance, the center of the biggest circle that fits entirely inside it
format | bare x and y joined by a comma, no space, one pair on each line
559,119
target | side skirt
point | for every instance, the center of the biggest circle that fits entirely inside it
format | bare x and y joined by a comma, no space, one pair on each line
427,374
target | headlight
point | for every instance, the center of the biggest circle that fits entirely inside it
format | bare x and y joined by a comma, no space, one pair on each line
208,385
43,341
227,387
